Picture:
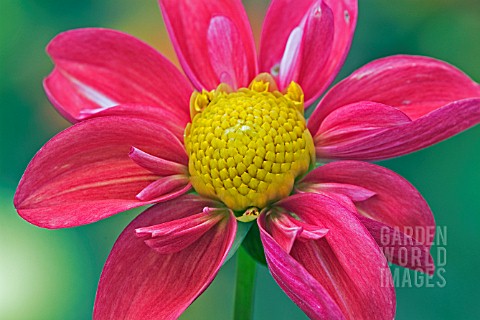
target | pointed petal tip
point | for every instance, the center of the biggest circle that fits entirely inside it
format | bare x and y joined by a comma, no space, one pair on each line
176,279
82,83
416,85
189,43
84,174
347,258
374,140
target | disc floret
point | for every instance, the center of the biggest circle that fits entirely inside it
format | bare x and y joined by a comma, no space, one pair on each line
247,147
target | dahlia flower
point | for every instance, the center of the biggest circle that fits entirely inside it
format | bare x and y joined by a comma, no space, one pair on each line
228,146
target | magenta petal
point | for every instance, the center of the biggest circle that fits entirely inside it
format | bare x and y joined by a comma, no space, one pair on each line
174,236
84,82
396,215
400,248
350,124
347,260
355,193
317,46
395,203
157,165
173,121
139,283
325,42
382,141
345,13
285,234
227,53
307,50
306,291
413,84
356,121
165,188
286,229
194,28
283,17
84,174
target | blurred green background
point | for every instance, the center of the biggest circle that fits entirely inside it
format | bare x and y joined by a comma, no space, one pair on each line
52,274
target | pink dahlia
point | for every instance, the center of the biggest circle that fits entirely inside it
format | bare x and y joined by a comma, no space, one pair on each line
229,144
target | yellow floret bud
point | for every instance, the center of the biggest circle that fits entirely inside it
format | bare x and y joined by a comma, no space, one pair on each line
247,147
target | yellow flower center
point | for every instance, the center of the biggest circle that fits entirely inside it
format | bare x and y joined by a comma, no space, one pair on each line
247,147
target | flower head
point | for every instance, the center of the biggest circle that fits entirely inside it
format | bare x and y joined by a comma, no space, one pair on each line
247,147
231,145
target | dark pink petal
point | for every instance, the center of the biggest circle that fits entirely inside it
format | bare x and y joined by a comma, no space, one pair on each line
358,120
413,84
165,188
174,236
354,193
84,174
285,235
307,51
289,66
396,215
173,121
400,248
139,283
157,165
395,202
307,47
285,229
376,139
200,28
347,260
229,62
98,68
317,46
345,13
354,122
306,291
321,30
282,17
397,246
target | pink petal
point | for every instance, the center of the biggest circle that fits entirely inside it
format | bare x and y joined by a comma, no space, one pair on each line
165,188
307,50
413,84
174,236
84,174
400,248
358,120
290,63
325,43
354,122
306,291
173,121
347,261
139,283
345,13
317,46
396,209
96,69
285,229
195,28
282,17
155,164
229,61
396,202
386,132
355,193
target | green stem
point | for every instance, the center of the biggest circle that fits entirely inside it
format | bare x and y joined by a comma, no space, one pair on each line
245,287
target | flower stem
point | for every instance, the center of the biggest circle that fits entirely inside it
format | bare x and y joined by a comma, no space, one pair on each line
245,287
